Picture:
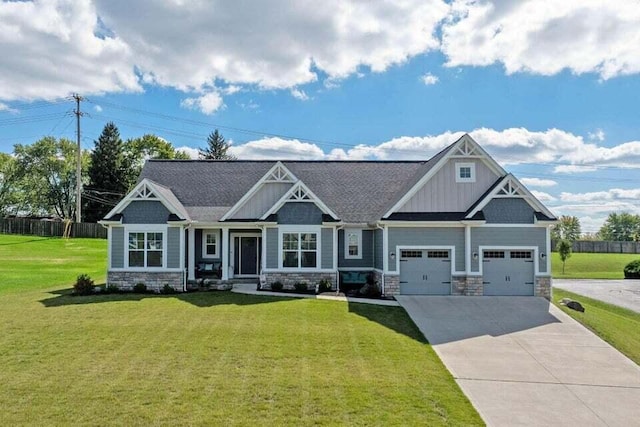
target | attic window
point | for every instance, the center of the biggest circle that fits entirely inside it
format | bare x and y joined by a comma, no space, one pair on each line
465,172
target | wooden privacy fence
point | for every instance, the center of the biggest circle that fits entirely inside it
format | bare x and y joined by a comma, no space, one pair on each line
41,228
603,247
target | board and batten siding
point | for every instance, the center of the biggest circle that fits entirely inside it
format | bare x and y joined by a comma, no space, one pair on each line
437,236
326,254
508,236
145,212
263,200
272,247
378,249
508,211
117,247
173,247
367,251
443,194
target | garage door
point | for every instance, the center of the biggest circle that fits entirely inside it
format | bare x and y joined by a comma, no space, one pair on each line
507,272
425,272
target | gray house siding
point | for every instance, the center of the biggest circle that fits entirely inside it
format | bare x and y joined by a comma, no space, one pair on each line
272,248
440,236
509,236
299,213
508,211
145,212
117,247
443,194
326,256
367,251
262,201
378,249
173,247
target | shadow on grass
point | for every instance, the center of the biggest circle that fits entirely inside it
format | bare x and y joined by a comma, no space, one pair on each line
394,318
28,241
65,297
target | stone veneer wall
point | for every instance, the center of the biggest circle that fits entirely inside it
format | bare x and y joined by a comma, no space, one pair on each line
542,287
288,280
155,281
467,286
391,285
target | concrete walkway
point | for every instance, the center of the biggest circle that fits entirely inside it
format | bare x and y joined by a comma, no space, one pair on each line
523,362
250,289
623,293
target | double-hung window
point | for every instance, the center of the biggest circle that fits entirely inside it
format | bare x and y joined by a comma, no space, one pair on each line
145,249
299,250
353,244
210,244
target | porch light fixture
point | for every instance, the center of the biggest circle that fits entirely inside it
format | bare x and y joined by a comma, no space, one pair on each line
543,255
392,255
475,255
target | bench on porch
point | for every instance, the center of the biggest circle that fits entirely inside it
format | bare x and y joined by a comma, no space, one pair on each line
208,269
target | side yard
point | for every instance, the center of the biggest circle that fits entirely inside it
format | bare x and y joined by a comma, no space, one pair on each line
204,358
591,266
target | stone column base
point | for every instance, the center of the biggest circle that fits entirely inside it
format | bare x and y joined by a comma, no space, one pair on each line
154,281
542,287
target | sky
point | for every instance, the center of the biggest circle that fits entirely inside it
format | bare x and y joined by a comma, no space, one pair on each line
550,89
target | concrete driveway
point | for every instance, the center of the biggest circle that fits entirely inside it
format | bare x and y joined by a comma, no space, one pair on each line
523,362
623,293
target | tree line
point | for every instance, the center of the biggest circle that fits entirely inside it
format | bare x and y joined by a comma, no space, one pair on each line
40,179
618,227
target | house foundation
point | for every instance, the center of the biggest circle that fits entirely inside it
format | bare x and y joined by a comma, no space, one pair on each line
154,281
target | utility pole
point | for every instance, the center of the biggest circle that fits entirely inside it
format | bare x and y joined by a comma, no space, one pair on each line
78,114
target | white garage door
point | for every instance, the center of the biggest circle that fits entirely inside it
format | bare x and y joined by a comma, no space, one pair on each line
507,272
425,272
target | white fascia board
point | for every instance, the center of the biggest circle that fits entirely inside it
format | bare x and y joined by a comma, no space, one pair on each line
253,190
488,197
313,199
129,198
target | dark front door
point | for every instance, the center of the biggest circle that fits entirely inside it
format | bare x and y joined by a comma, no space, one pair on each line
247,255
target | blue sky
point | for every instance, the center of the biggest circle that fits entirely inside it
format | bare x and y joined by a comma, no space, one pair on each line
550,90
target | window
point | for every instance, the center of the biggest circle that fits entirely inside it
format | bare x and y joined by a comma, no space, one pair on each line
410,254
210,244
145,249
465,172
353,244
438,254
494,254
521,254
299,250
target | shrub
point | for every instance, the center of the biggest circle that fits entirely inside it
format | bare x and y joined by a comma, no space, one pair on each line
277,286
167,289
300,287
632,270
140,288
324,286
84,285
112,289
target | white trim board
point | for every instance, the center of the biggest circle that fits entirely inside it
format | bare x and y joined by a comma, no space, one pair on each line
299,186
481,249
451,248
153,187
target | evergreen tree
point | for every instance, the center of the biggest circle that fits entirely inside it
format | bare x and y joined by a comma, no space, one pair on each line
217,147
109,175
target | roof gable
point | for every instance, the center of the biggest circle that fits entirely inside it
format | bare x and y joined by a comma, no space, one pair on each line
147,190
300,193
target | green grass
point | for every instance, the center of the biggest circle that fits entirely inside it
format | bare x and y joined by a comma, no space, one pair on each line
617,326
591,266
205,358
42,262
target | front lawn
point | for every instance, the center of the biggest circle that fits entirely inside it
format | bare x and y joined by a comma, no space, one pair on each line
213,358
591,266
617,326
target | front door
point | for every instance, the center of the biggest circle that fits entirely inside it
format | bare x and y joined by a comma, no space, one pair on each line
247,251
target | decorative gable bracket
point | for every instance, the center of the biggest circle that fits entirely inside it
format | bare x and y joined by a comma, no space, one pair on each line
300,193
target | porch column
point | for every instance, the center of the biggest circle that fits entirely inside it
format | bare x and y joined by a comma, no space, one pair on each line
225,254
467,249
263,260
192,254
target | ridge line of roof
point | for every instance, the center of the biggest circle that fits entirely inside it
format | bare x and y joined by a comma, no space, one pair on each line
284,161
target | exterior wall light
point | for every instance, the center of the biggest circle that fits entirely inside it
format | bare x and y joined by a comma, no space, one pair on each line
392,255
543,255
475,255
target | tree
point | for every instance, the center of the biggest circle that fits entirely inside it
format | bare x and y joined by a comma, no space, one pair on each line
149,146
621,227
47,178
567,228
564,250
9,191
110,175
217,147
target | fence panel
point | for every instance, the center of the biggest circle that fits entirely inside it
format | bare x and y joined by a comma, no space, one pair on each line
603,247
40,228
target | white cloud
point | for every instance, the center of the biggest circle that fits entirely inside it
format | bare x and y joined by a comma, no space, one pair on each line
277,148
574,169
545,36
429,79
208,103
299,94
603,196
538,182
542,196
598,135
97,108
59,52
5,107
192,152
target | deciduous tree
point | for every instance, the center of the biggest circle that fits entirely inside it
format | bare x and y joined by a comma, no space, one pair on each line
567,228
623,227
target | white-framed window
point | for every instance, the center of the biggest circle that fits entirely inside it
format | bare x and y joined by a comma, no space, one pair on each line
210,243
465,172
300,250
352,244
145,249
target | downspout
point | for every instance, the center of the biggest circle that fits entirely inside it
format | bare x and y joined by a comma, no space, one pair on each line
383,255
185,271
337,258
